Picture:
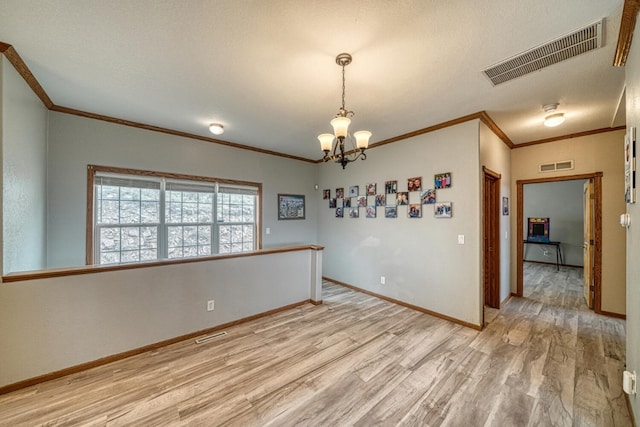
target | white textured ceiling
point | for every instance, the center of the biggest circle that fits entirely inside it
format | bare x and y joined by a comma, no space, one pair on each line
266,68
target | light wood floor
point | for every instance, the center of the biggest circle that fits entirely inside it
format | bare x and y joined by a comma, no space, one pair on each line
359,361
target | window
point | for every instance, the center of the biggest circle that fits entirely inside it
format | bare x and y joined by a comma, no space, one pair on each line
143,216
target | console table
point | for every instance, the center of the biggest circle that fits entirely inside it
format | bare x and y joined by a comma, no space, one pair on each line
559,259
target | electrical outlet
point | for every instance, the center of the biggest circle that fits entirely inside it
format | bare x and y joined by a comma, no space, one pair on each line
382,280
210,305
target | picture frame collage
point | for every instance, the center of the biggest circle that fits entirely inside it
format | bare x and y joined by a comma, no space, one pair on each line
415,198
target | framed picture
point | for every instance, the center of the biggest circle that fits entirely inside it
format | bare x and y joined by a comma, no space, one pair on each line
371,212
326,194
347,203
371,189
290,206
415,211
402,198
442,180
362,201
332,203
442,210
414,184
391,187
339,193
354,212
354,190
630,165
390,212
505,206
381,199
339,213
428,197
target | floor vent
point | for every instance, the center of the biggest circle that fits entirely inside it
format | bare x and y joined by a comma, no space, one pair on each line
211,337
557,166
580,41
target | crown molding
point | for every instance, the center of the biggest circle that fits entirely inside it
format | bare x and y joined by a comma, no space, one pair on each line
569,136
625,36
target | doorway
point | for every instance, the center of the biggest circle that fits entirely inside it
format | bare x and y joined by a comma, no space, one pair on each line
491,237
595,243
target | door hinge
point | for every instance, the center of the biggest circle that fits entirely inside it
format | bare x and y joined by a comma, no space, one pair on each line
592,288
591,242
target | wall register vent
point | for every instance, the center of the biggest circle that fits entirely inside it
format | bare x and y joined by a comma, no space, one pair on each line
557,166
578,42
211,337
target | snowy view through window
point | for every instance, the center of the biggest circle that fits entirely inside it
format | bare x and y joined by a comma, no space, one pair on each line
136,223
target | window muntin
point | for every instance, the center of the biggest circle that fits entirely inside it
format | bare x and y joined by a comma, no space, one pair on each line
158,218
127,219
236,220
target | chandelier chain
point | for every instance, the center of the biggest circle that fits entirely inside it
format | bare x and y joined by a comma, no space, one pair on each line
343,88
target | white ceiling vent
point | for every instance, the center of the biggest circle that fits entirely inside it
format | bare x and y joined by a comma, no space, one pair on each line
558,50
557,166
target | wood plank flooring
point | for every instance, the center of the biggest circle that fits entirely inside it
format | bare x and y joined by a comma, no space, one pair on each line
356,360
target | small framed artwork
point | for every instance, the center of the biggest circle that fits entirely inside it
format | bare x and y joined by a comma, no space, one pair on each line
428,197
414,184
391,187
354,212
339,213
442,210
371,189
402,198
354,190
326,194
362,201
390,212
290,206
346,203
415,211
630,165
332,203
442,180
505,206
339,193
381,199
371,212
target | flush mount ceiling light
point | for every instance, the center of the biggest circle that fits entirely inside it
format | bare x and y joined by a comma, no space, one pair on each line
341,131
216,128
554,119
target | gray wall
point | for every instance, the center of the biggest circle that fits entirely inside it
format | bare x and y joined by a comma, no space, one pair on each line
420,257
561,202
495,155
75,142
51,324
633,233
24,168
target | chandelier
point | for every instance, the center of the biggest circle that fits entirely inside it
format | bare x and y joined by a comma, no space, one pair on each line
341,131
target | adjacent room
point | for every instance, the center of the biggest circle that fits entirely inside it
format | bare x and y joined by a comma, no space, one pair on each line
257,213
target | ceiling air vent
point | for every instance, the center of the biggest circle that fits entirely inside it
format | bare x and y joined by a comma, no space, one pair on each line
558,50
557,166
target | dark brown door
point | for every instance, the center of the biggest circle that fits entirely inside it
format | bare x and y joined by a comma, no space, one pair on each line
491,234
